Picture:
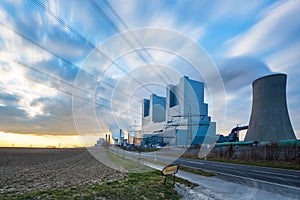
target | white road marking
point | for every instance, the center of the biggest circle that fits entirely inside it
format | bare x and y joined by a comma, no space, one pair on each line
252,179
224,166
259,181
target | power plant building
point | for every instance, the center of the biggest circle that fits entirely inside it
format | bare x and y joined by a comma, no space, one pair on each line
179,119
269,119
154,109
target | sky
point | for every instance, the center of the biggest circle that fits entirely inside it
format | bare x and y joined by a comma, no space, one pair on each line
58,88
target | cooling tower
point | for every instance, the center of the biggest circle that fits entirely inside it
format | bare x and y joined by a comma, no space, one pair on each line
269,116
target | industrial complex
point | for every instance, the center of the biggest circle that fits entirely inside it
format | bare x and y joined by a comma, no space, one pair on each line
269,121
181,118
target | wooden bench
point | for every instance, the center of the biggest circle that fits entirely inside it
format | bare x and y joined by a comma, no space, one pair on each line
170,170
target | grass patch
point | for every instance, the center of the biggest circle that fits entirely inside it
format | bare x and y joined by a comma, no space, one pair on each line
134,165
196,171
137,186
155,161
128,164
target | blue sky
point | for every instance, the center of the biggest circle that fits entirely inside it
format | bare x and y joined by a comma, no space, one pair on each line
45,44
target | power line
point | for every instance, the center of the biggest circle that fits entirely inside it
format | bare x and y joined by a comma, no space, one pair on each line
70,85
57,56
102,13
118,30
55,78
67,92
98,8
65,25
135,38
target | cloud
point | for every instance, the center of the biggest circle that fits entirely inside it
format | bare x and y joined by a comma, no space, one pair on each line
5,97
239,72
11,113
34,93
56,68
234,9
275,40
12,77
159,15
34,27
285,59
276,28
55,118
44,105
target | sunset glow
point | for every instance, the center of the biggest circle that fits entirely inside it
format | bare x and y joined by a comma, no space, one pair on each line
30,140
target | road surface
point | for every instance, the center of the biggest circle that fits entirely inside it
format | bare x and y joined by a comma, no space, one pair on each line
280,181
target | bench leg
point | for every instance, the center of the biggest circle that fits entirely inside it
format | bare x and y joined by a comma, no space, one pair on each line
173,180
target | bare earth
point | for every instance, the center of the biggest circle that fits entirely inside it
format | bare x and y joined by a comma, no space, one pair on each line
25,170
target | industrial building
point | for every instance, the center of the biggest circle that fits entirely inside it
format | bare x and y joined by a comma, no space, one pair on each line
179,119
99,142
270,135
121,140
233,135
269,119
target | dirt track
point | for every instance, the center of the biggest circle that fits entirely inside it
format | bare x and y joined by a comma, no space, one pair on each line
28,170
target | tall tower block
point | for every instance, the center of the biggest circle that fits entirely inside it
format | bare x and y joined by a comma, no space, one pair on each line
269,119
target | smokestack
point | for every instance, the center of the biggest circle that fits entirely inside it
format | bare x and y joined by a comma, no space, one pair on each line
269,119
120,136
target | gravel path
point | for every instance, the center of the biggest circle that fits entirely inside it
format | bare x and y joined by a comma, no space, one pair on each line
29,170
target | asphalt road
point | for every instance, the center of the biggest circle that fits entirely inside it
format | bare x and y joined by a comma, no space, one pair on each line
285,182
281,181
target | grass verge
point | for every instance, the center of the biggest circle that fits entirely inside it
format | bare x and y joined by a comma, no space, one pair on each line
196,171
126,163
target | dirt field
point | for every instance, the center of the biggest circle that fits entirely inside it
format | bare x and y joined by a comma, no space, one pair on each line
24,170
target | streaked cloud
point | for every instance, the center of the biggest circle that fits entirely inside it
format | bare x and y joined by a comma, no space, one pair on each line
276,28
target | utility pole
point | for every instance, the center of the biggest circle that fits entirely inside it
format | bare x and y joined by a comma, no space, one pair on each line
121,137
190,131
128,142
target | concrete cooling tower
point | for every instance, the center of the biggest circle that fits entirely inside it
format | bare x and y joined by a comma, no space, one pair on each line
269,116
